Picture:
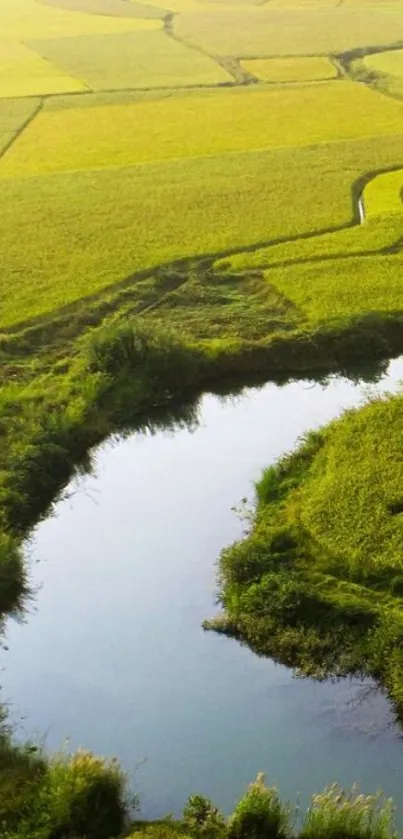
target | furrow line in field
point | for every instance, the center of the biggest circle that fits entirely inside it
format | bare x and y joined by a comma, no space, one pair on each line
22,128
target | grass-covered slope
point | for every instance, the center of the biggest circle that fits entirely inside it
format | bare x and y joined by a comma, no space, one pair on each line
318,581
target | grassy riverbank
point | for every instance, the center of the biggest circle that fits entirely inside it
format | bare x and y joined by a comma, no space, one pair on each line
81,796
62,394
69,380
317,583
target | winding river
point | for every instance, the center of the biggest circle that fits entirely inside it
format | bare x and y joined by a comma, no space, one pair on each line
112,654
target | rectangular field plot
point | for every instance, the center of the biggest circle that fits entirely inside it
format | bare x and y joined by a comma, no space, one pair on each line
190,126
24,73
114,8
291,69
134,60
93,229
24,20
285,32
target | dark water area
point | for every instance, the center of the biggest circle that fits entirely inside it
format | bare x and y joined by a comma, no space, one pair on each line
112,655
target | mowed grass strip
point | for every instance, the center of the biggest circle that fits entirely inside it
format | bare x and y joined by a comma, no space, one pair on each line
116,8
226,121
132,60
24,20
14,113
93,229
24,73
383,195
295,31
290,69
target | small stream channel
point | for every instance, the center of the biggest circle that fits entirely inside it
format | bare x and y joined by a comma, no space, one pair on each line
112,654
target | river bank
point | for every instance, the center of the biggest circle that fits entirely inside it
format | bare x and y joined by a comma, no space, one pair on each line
110,634
317,582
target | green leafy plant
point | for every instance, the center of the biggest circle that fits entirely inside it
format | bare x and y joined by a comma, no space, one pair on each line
260,814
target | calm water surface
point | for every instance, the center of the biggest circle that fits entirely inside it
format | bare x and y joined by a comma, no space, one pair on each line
112,655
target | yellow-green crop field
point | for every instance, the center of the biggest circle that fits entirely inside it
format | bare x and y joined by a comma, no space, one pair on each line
313,68
146,132
389,62
132,60
315,30
383,195
14,113
134,134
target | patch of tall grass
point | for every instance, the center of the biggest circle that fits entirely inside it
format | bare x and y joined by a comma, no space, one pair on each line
337,814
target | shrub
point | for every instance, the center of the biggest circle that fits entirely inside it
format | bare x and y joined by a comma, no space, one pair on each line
202,819
82,796
155,355
260,814
336,814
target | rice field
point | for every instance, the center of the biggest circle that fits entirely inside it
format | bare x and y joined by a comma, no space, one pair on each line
101,226
14,114
243,120
113,8
262,32
383,195
389,62
314,68
25,20
132,60
25,73
380,232
132,140
326,293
